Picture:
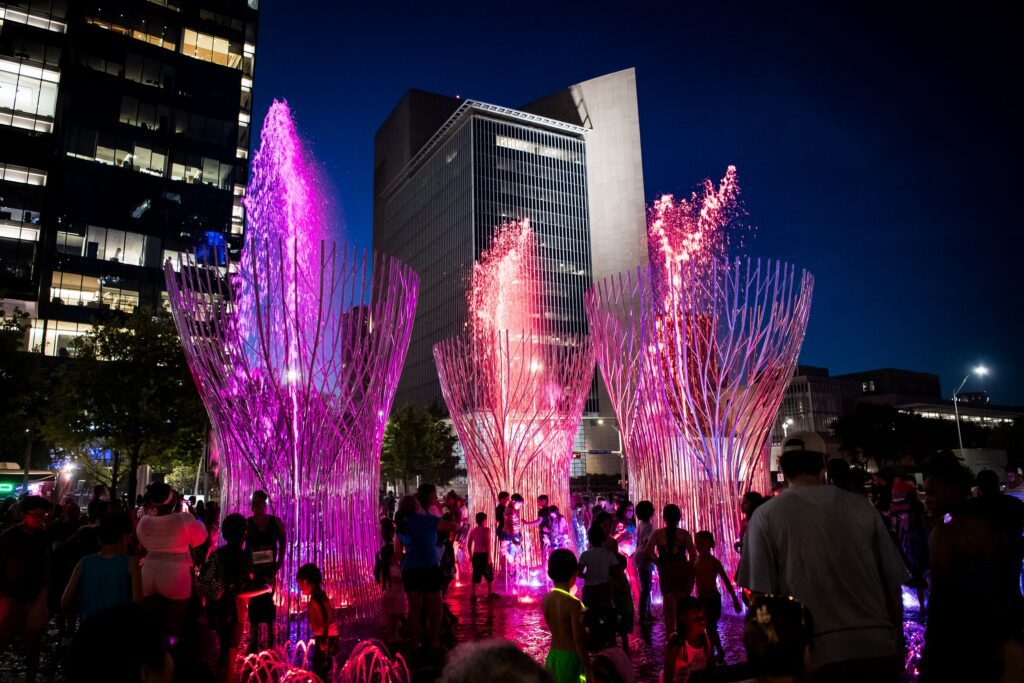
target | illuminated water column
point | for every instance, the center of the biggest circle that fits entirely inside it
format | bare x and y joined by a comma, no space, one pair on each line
297,358
696,351
514,391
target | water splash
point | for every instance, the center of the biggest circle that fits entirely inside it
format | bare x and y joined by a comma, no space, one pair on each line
506,288
515,391
696,231
372,662
696,351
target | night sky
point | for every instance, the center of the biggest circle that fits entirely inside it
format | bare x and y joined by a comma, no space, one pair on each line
878,147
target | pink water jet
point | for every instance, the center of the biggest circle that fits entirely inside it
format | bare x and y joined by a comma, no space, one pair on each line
297,358
514,390
696,351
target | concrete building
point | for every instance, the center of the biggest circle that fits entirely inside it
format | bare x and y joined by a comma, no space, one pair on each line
124,140
448,171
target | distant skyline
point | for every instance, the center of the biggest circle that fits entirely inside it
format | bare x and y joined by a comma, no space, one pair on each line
877,146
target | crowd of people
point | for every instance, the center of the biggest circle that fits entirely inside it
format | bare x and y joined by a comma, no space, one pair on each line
821,571
138,594
823,562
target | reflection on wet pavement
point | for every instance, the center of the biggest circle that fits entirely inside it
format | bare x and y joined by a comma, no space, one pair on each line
523,623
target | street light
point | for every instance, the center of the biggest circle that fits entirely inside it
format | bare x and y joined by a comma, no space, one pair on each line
980,371
786,424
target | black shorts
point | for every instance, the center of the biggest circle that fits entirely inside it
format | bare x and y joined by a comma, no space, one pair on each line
262,609
422,579
713,608
482,568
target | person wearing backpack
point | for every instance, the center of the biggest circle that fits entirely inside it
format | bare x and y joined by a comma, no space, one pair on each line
227,585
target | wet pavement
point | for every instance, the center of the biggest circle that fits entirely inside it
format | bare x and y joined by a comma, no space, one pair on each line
517,619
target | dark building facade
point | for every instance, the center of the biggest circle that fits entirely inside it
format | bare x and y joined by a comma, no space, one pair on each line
812,403
124,141
449,171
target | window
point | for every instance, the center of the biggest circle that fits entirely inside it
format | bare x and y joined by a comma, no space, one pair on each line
867,387
195,169
70,243
55,337
72,289
534,148
42,15
28,95
118,151
227,22
22,174
19,224
137,28
150,72
107,66
143,114
211,49
118,246
166,3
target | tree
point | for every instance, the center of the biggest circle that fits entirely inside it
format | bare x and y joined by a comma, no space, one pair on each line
128,390
22,384
889,436
182,477
418,443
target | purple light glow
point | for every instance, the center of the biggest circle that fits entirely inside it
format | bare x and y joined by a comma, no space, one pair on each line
696,353
297,358
514,391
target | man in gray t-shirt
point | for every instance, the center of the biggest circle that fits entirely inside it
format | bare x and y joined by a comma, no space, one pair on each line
830,550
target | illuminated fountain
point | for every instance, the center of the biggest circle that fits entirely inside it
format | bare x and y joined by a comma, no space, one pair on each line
297,357
514,390
696,351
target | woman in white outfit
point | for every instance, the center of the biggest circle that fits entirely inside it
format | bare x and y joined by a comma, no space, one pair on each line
168,536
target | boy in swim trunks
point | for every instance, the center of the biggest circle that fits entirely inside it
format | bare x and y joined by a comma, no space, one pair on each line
567,661
707,570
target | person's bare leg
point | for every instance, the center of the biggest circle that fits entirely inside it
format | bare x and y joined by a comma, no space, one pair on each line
33,644
434,607
668,609
716,644
415,617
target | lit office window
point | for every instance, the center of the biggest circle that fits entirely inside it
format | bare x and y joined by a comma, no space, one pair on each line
138,29
117,246
55,337
73,289
39,15
28,95
211,49
22,174
17,223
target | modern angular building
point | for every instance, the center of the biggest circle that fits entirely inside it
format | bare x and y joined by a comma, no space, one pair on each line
124,139
448,171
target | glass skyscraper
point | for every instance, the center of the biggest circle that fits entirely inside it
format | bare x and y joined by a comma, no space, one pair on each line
448,172
124,141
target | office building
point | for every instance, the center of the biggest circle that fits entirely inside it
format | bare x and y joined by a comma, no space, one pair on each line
812,403
124,141
448,171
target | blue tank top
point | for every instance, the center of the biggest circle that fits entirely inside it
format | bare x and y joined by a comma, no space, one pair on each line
105,582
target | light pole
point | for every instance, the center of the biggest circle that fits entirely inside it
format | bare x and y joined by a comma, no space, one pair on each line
786,424
980,371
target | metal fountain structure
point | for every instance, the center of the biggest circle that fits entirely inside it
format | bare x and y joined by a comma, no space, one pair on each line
297,357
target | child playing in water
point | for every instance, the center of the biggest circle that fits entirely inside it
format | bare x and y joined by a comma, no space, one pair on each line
479,548
688,649
567,661
322,626
707,570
